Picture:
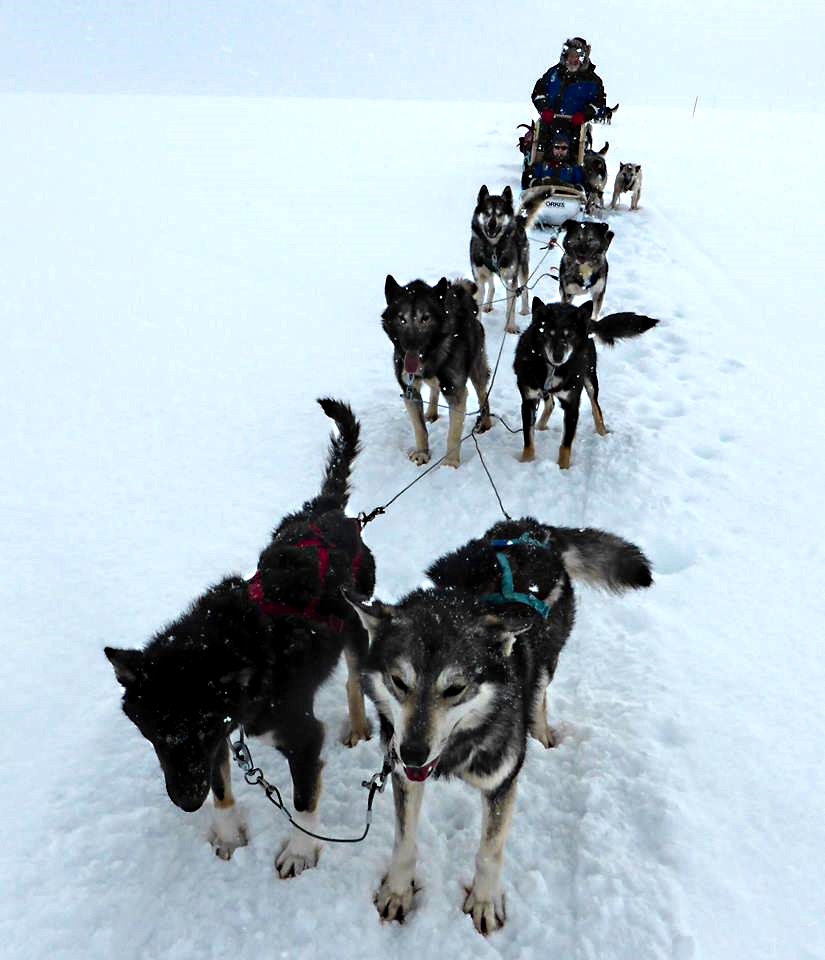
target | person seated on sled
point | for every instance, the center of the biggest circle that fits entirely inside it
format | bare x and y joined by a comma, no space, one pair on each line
570,88
557,163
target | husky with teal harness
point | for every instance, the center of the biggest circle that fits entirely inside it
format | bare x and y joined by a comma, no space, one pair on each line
524,569
458,673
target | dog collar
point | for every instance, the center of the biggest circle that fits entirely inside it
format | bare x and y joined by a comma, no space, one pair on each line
508,594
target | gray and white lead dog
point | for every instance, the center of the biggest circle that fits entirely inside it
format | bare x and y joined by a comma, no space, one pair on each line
628,180
459,675
498,245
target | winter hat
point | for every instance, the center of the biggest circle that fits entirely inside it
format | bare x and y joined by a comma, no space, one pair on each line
579,44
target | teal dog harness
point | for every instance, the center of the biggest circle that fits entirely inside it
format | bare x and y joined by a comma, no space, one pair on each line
508,594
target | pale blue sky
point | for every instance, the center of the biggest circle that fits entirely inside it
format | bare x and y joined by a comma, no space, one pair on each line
739,53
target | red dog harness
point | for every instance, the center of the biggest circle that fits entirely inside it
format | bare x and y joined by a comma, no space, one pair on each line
310,611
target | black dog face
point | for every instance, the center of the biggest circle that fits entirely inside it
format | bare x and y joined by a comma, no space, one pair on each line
185,720
586,242
494,214
413,318
562,328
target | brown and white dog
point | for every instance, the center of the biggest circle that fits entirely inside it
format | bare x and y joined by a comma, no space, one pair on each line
628,180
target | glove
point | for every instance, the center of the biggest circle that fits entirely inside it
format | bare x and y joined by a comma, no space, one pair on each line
577,119
548,115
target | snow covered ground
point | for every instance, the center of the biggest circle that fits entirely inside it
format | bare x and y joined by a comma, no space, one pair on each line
180,279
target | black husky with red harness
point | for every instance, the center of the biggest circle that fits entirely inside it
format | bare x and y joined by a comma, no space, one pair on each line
254,652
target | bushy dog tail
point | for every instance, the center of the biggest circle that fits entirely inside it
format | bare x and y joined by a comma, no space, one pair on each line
343,449
532,203
621,326
602,559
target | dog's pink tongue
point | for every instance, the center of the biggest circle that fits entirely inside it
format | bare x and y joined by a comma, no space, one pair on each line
412,362
420,773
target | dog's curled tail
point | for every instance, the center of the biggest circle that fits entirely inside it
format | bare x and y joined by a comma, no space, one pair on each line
602,559
343,449
621,326
532,203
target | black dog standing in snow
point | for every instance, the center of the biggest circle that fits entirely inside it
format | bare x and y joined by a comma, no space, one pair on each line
584,267
437,339
556,357
254,653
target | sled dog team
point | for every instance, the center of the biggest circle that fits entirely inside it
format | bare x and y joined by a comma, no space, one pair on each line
438,338
458,672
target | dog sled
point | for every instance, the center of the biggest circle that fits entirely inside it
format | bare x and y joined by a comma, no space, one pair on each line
546,201
536,142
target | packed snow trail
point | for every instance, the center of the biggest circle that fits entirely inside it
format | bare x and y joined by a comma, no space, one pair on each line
173,309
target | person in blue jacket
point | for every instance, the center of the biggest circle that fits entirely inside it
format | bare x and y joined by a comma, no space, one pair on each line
558,164
571,87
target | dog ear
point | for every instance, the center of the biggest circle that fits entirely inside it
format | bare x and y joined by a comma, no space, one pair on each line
507,193
586,311
392,290
441,288
570,224
608,239
127,664
483,193
537,305
372,615
605,148
504,630
638,167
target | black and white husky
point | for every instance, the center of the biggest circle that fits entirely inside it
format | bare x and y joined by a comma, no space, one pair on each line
459,675
498,245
